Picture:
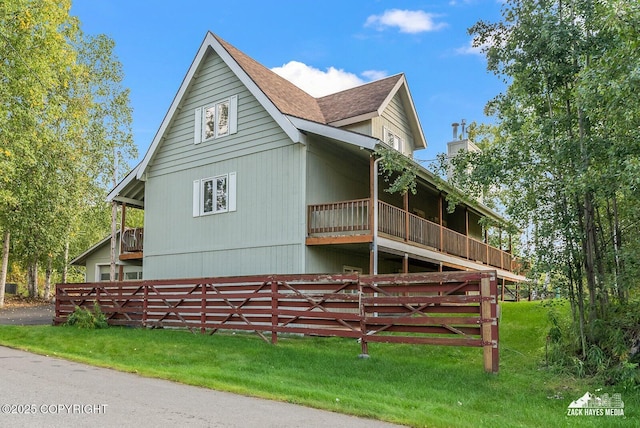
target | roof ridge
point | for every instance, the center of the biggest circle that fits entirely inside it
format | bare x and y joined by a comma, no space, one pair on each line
287,97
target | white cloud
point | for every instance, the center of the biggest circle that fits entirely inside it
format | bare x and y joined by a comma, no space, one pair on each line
318,83
408,21
374,74
470,49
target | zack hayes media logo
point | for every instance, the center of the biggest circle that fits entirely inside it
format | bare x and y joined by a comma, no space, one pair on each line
592,405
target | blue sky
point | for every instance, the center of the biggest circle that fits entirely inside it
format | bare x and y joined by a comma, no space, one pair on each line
340,43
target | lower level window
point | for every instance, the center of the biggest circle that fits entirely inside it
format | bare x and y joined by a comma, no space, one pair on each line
215,194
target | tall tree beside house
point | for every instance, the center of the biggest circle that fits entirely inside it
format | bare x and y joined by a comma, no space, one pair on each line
53,128
565,151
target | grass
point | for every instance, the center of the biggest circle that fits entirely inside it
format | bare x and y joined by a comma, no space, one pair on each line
412,385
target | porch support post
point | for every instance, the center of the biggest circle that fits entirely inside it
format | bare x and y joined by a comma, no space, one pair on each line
123,218
406,216
441,214
486,244
466,228
376,214
372,177
405,263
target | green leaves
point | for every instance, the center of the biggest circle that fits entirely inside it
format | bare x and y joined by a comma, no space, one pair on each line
63,117
397,169
566,147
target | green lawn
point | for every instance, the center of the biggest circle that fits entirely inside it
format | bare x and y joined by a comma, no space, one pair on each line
412,385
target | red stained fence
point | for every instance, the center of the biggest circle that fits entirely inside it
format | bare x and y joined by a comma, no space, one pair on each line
450,308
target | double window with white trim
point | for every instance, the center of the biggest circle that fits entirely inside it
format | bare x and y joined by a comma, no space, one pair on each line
214,195
216,120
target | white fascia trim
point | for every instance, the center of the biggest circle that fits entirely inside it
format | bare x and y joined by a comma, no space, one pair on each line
211,42
438,257
334,133
132,175
421,141
131,202
355,119
391,94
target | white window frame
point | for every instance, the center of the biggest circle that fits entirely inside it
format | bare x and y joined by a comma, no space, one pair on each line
395,141
216,193
203,115
351,269
199,199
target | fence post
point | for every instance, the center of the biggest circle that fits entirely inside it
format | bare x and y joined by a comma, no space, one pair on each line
489,320
274,311
203,308
145,304
363,323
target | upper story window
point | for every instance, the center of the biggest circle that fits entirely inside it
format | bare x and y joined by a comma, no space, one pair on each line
216,120
392,139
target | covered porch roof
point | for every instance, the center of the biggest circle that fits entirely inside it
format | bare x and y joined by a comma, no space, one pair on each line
130,190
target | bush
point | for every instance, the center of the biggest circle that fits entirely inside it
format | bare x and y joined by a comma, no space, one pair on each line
612,349
85,318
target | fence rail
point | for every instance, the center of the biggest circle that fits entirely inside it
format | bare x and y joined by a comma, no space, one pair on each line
452,308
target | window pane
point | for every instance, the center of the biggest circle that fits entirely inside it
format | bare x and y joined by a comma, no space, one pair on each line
223,118
209,122
221,194
207,196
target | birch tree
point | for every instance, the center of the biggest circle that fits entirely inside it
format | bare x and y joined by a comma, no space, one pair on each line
62,112
566,149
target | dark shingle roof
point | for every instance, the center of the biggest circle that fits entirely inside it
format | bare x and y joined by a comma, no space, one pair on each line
293,101
286,96
357,101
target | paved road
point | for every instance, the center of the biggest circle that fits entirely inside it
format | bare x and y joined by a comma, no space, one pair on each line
60,393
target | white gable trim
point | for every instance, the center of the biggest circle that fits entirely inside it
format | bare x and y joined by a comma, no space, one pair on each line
129,178
354,138
211,42
419,141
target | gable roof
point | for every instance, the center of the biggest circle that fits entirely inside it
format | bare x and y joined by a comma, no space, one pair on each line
283,100
286,96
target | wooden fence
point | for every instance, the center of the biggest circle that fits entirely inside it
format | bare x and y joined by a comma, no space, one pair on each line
450,308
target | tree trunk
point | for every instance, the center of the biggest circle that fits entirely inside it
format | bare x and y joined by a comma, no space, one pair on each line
5,266
65,268
32,279
47,278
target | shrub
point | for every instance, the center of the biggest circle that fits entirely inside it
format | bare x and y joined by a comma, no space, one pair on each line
85,318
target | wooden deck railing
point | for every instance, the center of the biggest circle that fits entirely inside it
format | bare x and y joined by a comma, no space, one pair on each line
132,240
450,308
351,217
339,217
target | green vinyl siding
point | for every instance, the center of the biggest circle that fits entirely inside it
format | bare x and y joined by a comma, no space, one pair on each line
257,131
336,172
395,118
266,232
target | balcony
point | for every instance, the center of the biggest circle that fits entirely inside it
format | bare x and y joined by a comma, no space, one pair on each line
131,244
350,221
